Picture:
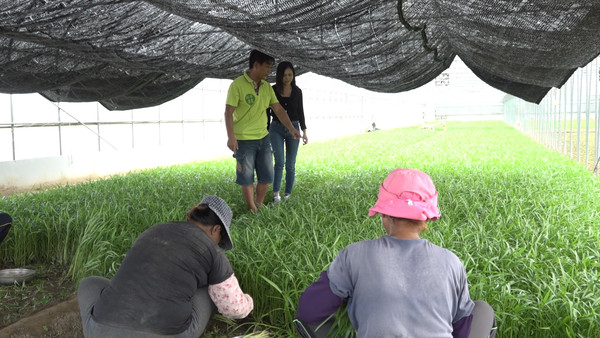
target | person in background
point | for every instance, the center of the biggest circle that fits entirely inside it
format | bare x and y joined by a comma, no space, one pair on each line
171,281
290,97
373,127
398,285
246,122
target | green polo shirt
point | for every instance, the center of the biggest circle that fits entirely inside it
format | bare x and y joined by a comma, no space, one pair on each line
250,116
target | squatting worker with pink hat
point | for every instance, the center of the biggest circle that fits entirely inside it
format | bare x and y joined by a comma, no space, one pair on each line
172,280
398,285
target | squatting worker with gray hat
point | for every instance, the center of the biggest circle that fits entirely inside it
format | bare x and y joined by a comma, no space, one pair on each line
171,281
398,285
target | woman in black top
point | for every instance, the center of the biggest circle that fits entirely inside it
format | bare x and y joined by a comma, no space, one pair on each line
290,97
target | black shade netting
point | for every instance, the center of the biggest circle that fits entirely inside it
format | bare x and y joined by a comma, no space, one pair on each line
134,54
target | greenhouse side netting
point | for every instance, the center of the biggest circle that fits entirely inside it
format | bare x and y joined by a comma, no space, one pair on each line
567,119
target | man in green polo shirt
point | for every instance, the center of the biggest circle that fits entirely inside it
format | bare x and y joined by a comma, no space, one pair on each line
246,121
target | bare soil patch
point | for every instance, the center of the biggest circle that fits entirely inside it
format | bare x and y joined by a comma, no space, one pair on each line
14,190
45,306
57,320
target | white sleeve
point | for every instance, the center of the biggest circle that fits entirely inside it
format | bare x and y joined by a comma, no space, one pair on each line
229,298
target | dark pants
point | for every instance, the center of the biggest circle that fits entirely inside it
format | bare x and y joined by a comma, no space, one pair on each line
280,137
5,224
482,326
89,290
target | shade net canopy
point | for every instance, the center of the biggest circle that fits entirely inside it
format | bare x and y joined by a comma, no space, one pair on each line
134,54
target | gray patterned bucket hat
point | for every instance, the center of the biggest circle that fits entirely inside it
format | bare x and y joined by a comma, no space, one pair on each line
220,207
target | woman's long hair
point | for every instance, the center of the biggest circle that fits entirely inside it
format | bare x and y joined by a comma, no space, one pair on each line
281,67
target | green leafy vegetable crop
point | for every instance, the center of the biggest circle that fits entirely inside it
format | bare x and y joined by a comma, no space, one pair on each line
524,220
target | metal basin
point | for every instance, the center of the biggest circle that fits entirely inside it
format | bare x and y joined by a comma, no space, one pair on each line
12,276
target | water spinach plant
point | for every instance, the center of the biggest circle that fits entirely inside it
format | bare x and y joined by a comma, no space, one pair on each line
524,220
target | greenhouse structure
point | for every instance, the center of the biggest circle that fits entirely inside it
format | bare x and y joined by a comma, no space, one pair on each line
113,122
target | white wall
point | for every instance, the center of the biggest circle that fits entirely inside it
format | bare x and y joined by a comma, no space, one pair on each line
38,171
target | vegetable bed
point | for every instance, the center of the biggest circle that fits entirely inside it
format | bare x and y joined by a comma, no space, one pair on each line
524,220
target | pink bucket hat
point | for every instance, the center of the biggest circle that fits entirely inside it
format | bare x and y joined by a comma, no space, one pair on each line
407,193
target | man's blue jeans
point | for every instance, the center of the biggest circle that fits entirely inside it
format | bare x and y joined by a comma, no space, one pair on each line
281,136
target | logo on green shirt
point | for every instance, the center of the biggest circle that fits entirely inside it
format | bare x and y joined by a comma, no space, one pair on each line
250,99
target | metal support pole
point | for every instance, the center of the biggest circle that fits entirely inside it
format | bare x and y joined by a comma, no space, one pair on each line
540,122
587,115
547,130
204,140
555,112
98,126
182,124
572,80
132,133
564,119
597,98
159,127
60,152
579,116
558,133
12,128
